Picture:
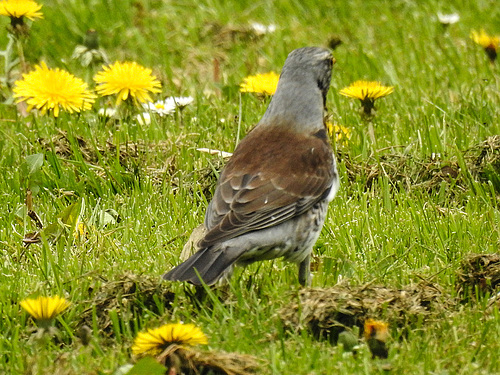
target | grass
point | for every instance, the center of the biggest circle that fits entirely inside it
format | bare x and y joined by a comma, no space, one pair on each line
445,102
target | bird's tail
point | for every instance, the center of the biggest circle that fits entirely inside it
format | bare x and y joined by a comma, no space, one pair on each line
207,265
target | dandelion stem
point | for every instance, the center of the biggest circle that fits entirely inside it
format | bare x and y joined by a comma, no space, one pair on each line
371,133
20,53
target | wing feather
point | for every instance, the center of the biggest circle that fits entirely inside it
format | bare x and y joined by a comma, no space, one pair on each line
248,199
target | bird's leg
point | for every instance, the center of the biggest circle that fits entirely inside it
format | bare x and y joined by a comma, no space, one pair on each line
305,271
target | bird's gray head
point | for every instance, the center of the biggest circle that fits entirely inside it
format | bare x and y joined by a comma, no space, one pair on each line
309,65
300,97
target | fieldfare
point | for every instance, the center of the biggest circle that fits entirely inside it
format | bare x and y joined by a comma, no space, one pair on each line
272,196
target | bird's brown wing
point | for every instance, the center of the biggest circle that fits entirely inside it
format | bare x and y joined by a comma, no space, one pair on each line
299,171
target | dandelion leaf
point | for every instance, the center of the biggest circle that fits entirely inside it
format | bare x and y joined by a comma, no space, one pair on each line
34,163
67,218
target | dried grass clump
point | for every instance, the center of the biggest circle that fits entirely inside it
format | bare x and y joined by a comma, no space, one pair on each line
327,312
190,361
162,160
479,274
127,295
483,161
61,145
405,171
129,152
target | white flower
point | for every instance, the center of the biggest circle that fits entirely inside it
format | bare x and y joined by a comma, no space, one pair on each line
161,107
143,118
107,112
212,151
180,101
261,29
448,19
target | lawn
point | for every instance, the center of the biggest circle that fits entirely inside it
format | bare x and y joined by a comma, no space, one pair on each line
96,208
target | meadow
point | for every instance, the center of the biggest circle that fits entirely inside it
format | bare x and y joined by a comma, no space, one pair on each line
96,208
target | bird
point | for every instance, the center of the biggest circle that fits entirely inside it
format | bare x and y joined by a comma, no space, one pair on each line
272,196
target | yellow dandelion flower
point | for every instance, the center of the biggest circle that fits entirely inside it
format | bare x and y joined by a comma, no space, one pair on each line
363,90
17,9
489,43
376,329
265,83
53,89
127,79
376,334
154,341
80,231
341,133
367,92
45,308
